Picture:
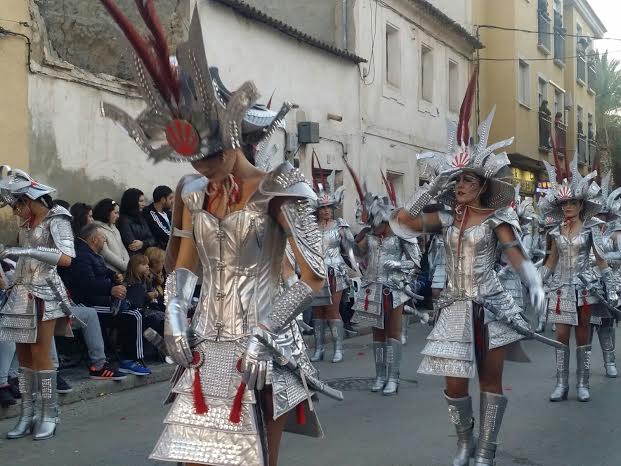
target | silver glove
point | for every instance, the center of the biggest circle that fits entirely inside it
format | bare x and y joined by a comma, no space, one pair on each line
47,255
178,296
532,280
255,364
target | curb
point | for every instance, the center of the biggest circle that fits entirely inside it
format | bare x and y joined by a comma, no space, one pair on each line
87,389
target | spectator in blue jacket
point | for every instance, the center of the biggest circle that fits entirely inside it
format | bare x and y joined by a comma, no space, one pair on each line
92,284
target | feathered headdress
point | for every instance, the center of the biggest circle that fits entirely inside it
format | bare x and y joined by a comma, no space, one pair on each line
578,187
464,154
190,114
16,183
610,202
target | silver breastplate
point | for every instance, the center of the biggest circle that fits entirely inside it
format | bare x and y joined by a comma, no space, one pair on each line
470,262
331,244
381,250
33,273
241,256
573,258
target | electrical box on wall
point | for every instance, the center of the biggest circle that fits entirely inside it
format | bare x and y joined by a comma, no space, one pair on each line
308,132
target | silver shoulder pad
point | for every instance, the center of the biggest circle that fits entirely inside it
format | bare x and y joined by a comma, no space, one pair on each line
305,233
342,223
505,215
286,180
193,189
62,234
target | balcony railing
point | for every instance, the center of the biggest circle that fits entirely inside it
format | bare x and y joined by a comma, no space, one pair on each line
582,149
544,36
559,45
592,76
545,125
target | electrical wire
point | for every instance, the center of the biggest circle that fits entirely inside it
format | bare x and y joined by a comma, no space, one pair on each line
371,63
531,31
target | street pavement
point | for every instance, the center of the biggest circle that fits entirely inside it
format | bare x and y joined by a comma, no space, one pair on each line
367,429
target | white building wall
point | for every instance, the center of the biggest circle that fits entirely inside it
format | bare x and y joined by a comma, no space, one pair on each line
89,157
396,122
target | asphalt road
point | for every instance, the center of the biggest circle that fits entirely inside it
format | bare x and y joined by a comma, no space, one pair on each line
366,429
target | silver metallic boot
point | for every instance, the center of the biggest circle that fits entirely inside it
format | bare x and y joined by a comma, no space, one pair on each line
319,326
606,334
25,423
379,353
45,427
338,334
562,375
492,410
583,371
460,414
393,366
405,321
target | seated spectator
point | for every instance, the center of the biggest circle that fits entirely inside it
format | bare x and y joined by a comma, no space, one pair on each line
158,215
82,215
7,353
135,232
156,280
140,295
92,284
106,214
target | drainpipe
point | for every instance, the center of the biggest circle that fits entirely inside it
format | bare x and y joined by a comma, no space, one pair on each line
344,22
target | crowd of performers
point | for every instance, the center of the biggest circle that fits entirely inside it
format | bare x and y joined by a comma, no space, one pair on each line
264,245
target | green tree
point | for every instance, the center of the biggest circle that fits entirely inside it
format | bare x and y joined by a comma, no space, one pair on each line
608,111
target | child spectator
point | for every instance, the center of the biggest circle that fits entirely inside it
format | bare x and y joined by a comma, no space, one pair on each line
156,279
140,295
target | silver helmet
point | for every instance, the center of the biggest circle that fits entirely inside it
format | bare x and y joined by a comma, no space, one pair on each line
15,183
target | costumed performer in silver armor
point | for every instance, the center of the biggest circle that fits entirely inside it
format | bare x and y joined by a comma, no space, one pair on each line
542,248
391,265
337,241
477,317
609,213
574,290
242,362
36,306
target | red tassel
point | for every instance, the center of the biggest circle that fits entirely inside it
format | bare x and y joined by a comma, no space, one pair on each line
235,415
200,405
558,303
366,299
300,414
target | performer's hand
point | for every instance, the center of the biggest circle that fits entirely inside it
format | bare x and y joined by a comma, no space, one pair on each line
176,332
13,252
254,365
538,300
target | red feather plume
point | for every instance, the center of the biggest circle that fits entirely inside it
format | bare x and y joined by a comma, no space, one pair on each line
390,189
356,181
315,184
321,172
143,50
147,10
463,128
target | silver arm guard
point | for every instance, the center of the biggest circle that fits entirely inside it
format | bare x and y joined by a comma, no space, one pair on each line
180,286
611,285
287,306
61,231
49,256
305,232
414,207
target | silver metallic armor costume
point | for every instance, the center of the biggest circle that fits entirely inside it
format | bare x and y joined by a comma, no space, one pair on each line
611,210
391,263
573,285
465,328
217,415
337,241
37,294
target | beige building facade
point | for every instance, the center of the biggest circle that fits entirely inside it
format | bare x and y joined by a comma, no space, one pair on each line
536,68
